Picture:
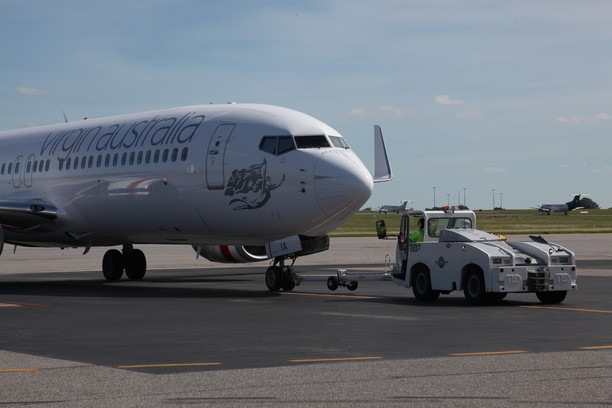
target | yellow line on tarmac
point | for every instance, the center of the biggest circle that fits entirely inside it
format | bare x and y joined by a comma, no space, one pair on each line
489,353
327,295
595,348
18,369
167,365
314,360
568,308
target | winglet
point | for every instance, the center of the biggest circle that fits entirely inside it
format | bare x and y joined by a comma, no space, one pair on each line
382,167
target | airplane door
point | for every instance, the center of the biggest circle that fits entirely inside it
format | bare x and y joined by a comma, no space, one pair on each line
27,172
215,156
17,171
401,250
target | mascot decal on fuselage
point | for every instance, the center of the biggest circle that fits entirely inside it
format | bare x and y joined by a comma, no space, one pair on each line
251,187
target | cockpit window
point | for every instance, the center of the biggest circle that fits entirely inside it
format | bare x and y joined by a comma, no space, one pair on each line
276,145
311,142
338,141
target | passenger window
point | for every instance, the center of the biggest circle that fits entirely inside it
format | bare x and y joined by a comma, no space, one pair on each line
90,162
174,154
311,142
10,168
148,157
132,156
48,165
139,158
115,159
68,161
107,160
124,158
184,154
165,156
156,156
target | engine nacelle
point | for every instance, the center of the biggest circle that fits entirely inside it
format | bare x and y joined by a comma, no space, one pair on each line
233,254
256,253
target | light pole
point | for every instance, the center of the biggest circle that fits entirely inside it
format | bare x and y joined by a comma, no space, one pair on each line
464,200
434,197
493,198
501,203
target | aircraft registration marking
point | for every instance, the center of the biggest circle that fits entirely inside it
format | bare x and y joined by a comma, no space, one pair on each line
568,308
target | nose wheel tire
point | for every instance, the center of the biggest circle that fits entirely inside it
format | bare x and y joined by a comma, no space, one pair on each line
135,264
274,278
112,265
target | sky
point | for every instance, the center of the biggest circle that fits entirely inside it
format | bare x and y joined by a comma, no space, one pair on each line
481,102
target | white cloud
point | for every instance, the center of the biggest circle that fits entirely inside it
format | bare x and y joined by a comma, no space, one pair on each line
383,112
495,170
24,90
469,115
582,119
604,169
446,100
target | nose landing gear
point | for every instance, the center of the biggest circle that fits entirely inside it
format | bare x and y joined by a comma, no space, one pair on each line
279,276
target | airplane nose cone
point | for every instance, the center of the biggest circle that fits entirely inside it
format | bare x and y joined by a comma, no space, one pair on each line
342,183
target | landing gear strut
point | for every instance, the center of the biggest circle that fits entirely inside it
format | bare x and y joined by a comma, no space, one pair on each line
133,261
279,276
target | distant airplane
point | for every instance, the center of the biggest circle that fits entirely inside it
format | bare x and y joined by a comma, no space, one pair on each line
569,206
238,182
394,208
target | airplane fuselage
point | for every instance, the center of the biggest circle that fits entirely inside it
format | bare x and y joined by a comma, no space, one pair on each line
233,174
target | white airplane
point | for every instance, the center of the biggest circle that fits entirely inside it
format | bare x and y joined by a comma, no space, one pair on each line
569,206
238,182
395,208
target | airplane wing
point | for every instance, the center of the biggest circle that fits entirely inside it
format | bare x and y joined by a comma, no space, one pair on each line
382,167
21,215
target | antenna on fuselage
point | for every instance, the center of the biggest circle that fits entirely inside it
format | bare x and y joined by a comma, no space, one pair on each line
65,117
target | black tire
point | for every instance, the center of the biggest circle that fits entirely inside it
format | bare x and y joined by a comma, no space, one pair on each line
498,295
135,264
274,278
474,288
421,286
551,298
352,285
332,283
112,265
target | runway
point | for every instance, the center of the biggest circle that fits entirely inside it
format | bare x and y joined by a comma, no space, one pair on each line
196,333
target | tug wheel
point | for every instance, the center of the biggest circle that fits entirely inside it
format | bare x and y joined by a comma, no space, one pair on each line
550,298
474,287
421,286
352,285
332,283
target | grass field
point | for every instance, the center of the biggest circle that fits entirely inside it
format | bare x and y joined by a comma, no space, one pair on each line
502,222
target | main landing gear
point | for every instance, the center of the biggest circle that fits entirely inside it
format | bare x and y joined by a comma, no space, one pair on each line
279,276
130,260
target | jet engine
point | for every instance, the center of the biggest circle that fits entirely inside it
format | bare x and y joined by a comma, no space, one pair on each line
232,254
256,253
